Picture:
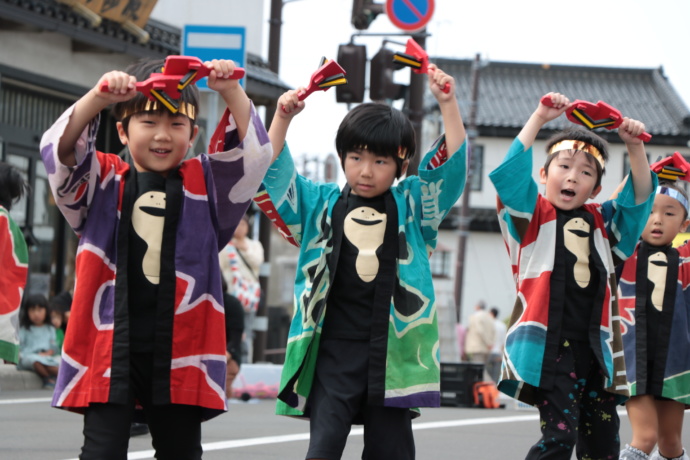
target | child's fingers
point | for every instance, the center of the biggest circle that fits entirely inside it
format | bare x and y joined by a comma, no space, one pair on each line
116,82
558,100
444,82
632,127
222,68
289,101
439,78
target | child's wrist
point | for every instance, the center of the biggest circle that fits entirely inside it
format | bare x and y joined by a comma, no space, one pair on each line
231,90
537,118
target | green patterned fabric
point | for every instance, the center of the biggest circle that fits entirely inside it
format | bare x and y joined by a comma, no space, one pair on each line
412,361
14,263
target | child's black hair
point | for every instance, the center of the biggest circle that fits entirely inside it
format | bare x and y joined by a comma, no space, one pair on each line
12,185
32,300
378,128
582,135
142,70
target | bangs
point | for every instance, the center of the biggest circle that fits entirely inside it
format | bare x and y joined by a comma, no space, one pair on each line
377,128
380,142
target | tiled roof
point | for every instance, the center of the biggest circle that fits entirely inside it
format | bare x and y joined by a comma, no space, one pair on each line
509,93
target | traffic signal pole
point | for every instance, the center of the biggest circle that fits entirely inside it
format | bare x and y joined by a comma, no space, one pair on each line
416,106
465,218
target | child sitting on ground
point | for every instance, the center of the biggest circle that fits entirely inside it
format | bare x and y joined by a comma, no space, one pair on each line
38,347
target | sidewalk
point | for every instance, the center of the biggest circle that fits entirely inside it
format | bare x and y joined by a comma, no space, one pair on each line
12,379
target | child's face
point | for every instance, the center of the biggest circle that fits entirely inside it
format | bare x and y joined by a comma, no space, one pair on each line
56,319
242,229
665,222
37,315
570,180
158,141
370,175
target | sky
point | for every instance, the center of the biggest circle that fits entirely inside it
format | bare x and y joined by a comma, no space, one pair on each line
623,33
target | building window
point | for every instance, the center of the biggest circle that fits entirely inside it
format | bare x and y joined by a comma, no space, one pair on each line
477,167
440,263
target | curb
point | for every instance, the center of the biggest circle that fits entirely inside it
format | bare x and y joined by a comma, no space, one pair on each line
12,379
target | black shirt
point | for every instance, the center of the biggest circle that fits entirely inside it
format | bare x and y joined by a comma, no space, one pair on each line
143,268
581,276
351,299
656,257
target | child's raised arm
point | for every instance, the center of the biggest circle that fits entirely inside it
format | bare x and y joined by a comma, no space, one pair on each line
231,91
639,165
120,87
542,115
452,120
289,105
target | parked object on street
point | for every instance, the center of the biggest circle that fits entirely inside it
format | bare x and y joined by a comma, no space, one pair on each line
260,381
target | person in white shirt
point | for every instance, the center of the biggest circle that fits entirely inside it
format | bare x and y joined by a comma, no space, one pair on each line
493,363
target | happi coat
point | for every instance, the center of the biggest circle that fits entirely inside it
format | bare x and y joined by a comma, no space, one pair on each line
14,266
407,372
672,358
206,196
528,225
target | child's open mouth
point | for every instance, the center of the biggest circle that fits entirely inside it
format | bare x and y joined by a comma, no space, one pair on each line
568,193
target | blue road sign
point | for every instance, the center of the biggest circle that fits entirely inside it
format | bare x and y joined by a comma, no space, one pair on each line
410,15
214,42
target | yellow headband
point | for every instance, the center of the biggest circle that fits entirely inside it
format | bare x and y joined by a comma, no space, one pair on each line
570,144
182,108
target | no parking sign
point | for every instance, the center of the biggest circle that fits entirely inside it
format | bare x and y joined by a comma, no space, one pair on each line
410,15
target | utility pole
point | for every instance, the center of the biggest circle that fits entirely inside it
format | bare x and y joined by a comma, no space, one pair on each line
274,31
416,105
465,218
261,319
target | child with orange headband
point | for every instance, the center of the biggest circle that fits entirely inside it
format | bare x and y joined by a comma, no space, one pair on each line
146,334
563,350
655,312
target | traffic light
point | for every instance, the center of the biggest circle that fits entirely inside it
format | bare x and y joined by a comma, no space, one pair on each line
381,85
364,12
352,58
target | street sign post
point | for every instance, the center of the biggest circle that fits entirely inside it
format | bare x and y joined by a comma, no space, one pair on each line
214,42
410,15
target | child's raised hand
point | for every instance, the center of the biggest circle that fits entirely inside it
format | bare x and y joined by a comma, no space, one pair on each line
116,86
218,79
289,104
630,129
554,105
438,80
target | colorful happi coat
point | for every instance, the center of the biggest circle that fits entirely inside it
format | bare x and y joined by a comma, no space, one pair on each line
408,374
206,196
14,266
528,225
667,274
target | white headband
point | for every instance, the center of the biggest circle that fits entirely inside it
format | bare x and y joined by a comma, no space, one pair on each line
673,193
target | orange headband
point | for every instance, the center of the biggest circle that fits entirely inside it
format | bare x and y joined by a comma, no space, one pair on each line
570,144
185,108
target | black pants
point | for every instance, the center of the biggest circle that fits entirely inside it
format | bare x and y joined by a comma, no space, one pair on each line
577,410
175,428
338,399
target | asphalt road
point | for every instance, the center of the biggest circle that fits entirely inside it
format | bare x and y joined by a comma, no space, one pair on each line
31,430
